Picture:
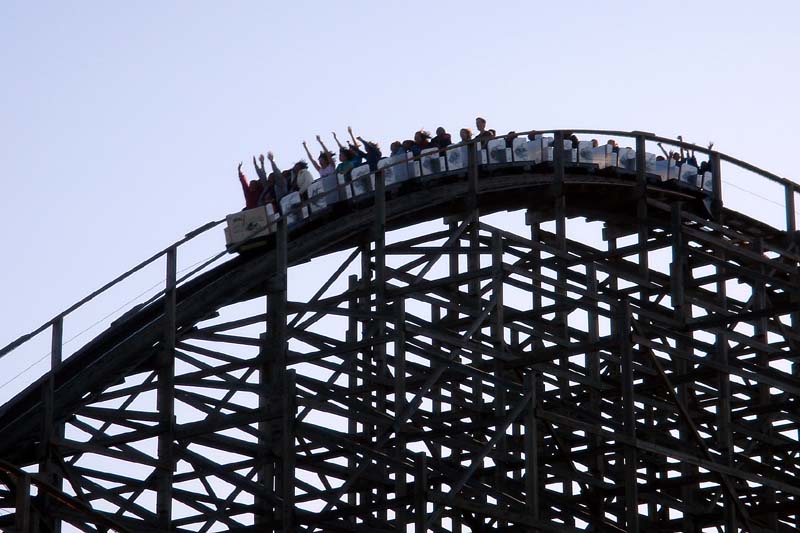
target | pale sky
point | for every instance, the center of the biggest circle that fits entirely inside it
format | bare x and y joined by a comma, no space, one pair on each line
121,123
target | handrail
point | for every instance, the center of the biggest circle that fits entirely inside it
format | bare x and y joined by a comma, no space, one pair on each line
298,208
683,144
189,236
647,136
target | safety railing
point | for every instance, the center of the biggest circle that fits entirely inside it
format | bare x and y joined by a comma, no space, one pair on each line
640,162
51,337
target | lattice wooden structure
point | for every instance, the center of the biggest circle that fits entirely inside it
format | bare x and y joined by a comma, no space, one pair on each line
511,348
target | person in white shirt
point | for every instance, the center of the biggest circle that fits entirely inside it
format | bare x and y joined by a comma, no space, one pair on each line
301,179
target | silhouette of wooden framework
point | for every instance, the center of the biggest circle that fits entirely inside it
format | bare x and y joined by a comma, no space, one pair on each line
638,374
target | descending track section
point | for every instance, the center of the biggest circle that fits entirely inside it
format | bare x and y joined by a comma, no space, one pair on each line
513,347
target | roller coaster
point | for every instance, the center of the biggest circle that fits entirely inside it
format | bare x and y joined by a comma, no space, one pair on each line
524,336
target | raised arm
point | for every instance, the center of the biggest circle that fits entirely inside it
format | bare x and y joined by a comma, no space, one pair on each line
369,149
242,178
350,131
275,168
358,149
335,138
262,175
322,144
311,157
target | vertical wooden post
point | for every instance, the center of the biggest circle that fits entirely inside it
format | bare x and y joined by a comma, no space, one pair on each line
641,164
279,307
597,468
560,208
166,399
558,163
716,193
379,286
534,439
400,488
420,491
532,219
763,360
22,517
791,220
272,368
498,338
724,397
57,343
51,431
289,415
629,408
532,450
473,160
681,313
277,310
351,336
379,236
641,207
473,257
266,474
457,394
368,387
678,266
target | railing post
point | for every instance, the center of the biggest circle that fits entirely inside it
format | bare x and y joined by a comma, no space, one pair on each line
473,257
56,352
51,431
641,166
558,163
791,221
641,206
472,175
716,193
166,399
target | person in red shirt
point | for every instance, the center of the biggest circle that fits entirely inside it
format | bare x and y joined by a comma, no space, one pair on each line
252,190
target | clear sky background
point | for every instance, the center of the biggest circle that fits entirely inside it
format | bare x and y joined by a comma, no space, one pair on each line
121,123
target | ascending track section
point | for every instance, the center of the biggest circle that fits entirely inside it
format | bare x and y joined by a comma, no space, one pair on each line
517,338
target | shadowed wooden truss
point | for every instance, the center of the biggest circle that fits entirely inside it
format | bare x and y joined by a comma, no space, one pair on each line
564,366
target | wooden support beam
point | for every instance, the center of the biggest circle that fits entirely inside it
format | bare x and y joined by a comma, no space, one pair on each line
23,521
624,332
532,476
166,398
420,491
287,478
